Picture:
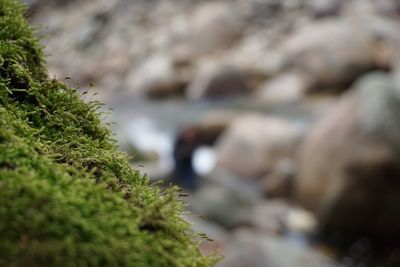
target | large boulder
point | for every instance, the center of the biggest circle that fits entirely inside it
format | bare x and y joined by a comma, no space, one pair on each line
331,53
253,143
349,169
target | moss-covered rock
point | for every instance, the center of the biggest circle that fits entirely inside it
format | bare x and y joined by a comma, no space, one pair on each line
67,197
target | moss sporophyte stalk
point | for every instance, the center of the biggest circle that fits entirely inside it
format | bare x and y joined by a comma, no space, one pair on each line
67,196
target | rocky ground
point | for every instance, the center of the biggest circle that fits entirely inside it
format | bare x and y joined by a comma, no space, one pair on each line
296,102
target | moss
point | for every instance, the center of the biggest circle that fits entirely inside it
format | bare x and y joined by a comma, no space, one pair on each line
67,197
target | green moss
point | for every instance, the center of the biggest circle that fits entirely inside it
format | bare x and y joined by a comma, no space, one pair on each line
67,197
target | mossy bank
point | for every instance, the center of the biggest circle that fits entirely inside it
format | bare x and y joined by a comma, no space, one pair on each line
67,197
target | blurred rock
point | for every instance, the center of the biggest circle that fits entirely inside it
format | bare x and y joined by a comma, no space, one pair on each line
219,82
287,87
323,8
279,217
349,169
261,12
253,54
330,53
225,199
157,78
253,144
270,216
249,248
118,44
388,7
227,207
209,27
280,182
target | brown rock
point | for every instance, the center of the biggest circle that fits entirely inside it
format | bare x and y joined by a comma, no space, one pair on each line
330,54
207,28
350,163
286,87
323,8
254,143
280,182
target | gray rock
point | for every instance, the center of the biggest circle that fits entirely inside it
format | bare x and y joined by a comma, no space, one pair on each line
220,205
250,248
225,199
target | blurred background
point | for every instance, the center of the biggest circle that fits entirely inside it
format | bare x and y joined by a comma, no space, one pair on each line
280,119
